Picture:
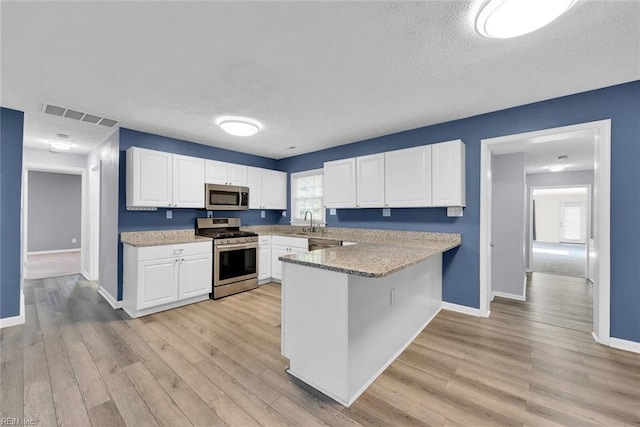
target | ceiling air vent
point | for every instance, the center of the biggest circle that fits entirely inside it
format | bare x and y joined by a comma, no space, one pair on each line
77,115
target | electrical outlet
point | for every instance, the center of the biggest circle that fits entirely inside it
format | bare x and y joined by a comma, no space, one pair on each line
169,214
284,213
209,214
74,240
332,211
262,214
386,211
392,297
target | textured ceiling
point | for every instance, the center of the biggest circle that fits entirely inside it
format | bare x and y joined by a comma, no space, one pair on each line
316,74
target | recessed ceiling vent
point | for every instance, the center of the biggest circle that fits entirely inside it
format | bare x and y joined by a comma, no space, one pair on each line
77,115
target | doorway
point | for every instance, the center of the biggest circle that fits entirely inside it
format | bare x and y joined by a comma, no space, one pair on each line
598,134
560,228
53,216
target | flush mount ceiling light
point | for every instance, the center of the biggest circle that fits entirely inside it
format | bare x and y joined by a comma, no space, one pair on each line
239,126
60,145
503,19
558,167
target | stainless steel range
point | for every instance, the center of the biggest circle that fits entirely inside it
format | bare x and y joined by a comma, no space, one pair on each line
235,255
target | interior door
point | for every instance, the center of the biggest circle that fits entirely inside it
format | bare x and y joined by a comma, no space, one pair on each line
572,222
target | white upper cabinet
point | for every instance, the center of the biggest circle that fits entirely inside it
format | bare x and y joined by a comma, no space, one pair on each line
408,177
370,181
149,178
448,173
156,179
225,173
188,182
340,183
254,182
274,189
267,189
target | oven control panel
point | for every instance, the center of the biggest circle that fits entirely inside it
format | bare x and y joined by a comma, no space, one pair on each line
235,240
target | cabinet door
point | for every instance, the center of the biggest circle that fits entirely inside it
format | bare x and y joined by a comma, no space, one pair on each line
340,183
264,262
237,174
407,176
149,178
196,277
216,172
274,189
448,173
254,182
158,282
370,181
188,182
276,264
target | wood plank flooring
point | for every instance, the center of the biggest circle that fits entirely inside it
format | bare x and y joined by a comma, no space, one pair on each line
78,362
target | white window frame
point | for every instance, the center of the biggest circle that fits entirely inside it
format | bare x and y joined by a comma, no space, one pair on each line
300,221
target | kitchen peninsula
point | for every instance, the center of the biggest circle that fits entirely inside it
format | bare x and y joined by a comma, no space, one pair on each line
349,311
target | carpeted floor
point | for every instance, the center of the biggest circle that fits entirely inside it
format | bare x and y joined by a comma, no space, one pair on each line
566,259
43,266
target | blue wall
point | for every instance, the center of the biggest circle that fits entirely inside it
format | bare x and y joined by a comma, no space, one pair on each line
182,218
619,103
11,129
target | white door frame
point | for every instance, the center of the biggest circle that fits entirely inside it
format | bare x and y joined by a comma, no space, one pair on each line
48,167
94,222
530,219
602,187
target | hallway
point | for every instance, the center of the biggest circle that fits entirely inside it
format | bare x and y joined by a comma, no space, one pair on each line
561,301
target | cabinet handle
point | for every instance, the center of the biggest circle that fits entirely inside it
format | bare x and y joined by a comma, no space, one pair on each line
182,260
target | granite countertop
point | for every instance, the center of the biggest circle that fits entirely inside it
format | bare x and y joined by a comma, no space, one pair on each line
161,237
377,253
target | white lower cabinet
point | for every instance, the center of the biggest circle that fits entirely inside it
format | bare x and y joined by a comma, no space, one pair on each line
158,278
281,245
264,258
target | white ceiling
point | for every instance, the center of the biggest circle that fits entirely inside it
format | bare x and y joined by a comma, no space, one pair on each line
316,74
542,152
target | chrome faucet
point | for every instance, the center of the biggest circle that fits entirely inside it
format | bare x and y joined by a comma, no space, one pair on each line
310,221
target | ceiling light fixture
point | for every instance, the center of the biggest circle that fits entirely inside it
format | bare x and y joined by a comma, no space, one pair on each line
556,168
504,19
56,146
239,126
559,167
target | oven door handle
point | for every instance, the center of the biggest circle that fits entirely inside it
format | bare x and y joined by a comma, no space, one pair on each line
239,198
237,246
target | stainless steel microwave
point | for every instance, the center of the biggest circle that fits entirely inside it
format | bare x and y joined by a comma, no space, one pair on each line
226,197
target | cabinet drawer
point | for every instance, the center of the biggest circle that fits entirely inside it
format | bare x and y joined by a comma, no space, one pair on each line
264,240
292,242
170,251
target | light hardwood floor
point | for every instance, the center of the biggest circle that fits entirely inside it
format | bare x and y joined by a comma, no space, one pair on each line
78,362
40,266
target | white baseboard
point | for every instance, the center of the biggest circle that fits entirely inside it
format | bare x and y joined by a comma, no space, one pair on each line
56,251
508,296
15,320
624,344
85,274
110,299
462,309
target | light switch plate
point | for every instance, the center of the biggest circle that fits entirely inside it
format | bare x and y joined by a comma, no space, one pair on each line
332,211
169,214
262,214
386,211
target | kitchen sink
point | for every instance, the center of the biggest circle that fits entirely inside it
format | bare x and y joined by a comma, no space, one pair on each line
317,243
